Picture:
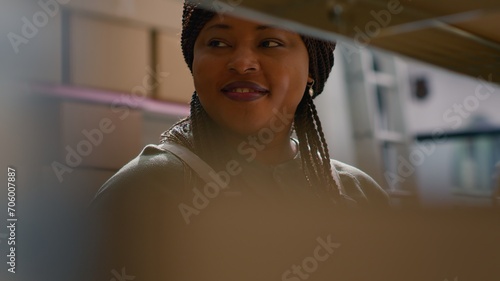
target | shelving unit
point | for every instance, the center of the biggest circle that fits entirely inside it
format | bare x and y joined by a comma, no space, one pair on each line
376,84
475,177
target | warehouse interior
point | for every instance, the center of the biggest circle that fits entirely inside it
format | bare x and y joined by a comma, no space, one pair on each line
413,99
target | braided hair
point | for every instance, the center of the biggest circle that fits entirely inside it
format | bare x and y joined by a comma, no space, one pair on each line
313,148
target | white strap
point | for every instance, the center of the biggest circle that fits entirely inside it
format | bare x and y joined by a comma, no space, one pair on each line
195,162
336,178
204,170
338,181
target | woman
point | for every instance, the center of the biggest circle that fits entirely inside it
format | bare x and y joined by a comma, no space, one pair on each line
254,86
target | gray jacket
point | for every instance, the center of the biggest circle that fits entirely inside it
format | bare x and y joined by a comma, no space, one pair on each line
147,217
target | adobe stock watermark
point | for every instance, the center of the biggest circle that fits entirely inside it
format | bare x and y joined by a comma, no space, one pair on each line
460,111
455,115
31,26
407,167
94,137
371,29
249,149
121,277
309,265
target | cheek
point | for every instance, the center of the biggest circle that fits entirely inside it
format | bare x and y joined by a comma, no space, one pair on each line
298,72
302,69
202,73
204,78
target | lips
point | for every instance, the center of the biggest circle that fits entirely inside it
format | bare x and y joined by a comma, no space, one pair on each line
244,91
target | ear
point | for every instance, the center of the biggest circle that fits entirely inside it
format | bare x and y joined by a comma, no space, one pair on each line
310,80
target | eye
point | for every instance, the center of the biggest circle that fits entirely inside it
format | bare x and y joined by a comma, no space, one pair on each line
270,44
217,43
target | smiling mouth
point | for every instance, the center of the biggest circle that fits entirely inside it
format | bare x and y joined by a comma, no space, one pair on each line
244,91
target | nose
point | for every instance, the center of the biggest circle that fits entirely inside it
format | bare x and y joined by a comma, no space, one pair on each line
244,60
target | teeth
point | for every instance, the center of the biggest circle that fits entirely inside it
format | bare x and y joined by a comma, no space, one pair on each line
243,90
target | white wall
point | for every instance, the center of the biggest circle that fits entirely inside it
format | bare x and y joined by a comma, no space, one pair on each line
453,101
447,90
333,109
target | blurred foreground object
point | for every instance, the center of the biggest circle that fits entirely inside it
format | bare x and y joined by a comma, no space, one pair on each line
460,36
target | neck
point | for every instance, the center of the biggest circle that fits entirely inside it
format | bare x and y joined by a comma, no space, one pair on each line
273,151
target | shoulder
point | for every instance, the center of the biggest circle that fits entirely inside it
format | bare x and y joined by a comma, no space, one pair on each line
359,185
153,171
142,195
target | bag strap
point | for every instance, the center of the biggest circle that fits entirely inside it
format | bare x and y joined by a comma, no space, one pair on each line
204,170
191,159
336,177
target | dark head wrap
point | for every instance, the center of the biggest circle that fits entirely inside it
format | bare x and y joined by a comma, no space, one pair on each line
320,52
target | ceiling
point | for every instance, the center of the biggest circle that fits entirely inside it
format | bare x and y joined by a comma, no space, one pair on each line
462,36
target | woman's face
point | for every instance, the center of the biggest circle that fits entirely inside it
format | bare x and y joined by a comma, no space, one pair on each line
248,76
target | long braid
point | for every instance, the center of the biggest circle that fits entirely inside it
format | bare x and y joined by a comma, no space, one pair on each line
327,167
198,129
195,124
316,141
313,143
203,131
300,124
313,148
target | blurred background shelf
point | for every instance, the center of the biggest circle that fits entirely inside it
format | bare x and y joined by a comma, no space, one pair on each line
460,36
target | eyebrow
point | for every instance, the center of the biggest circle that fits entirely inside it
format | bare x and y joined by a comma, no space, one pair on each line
225,26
